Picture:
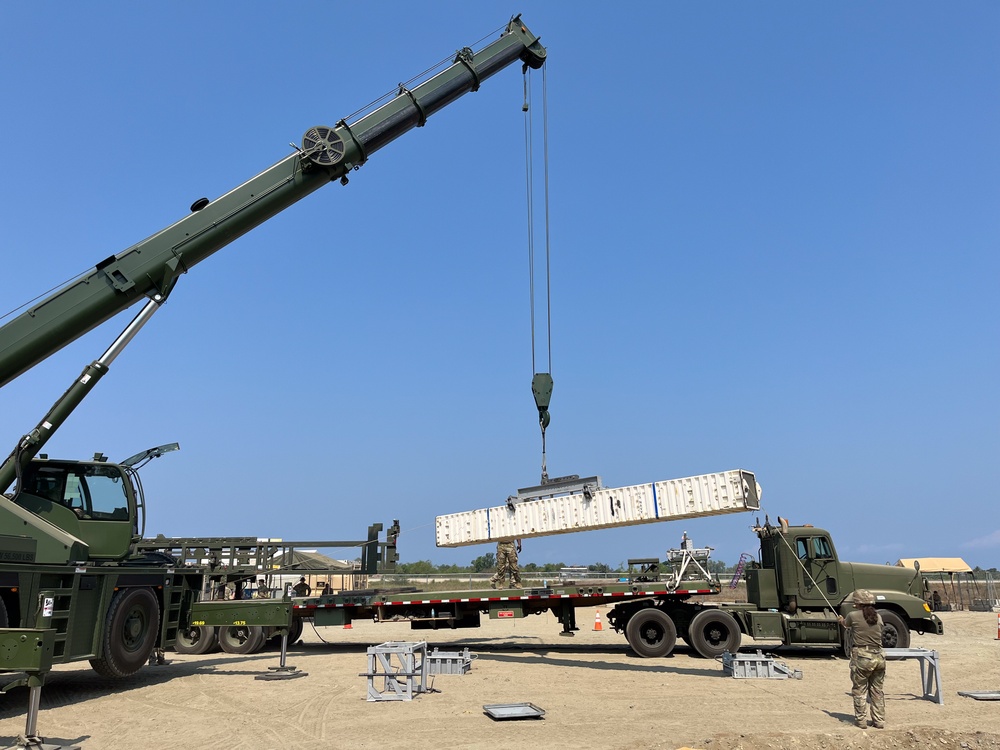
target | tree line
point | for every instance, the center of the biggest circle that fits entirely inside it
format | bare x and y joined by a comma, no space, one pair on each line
487,563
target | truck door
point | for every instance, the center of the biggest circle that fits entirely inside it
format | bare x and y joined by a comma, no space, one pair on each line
819,573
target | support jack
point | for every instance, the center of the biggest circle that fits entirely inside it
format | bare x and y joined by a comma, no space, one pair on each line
283,671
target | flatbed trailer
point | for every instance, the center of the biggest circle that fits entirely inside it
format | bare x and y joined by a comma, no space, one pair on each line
795,594
642,589
462,609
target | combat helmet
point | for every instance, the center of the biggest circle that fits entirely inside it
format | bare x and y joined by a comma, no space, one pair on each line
863,596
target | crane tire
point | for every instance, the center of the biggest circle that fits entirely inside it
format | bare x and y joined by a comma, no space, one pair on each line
651,633
130,633
295,630
241,639
713,632
195,640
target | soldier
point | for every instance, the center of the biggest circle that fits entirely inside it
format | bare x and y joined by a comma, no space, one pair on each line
507,564
263,592
302,588
867,659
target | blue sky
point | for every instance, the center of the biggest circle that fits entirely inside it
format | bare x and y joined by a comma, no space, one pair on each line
774,234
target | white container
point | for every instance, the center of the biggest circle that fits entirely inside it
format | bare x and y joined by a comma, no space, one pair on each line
670,500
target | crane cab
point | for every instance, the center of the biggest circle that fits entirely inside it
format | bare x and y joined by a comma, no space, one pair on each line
94,501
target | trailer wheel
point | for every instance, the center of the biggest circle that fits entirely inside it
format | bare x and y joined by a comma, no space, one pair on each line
241,639
195,640
130,632
651,633
895,633
712,632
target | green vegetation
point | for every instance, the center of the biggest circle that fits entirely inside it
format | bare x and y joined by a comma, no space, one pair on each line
487,564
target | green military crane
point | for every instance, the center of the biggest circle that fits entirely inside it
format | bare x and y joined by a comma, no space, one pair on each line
69,530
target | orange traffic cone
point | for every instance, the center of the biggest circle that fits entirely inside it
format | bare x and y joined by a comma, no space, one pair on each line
348,626
597,621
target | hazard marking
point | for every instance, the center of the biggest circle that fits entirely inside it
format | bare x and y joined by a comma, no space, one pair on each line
526,597
505,613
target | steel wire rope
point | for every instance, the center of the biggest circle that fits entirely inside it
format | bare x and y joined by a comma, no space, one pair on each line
425,74
530,195
57,287
548,253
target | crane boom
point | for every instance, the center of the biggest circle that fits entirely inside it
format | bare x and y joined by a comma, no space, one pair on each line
151,267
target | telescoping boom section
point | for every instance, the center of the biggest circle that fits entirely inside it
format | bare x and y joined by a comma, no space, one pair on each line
596,507
151,267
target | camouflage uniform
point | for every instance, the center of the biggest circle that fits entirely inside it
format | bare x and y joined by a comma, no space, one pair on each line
506,564
867,664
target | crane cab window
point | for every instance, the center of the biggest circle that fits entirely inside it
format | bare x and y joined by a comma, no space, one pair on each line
91,492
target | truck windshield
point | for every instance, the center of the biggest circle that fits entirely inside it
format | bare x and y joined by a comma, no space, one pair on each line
92,492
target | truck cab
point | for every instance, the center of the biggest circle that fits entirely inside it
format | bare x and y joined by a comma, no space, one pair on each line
801,576
93,501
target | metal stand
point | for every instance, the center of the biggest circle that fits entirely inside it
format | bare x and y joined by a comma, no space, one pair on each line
30,650
399,683
282,671
30,738
757,665
567,617
688,556
930,670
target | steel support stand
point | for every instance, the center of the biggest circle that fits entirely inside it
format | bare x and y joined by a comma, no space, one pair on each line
567,616
930,669
282,671
30,738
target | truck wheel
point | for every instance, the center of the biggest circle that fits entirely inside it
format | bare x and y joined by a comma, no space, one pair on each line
195,640
651,633
241,639
130,633
847,643
895,633
712,632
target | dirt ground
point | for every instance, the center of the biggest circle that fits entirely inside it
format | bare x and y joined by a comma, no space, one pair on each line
594,691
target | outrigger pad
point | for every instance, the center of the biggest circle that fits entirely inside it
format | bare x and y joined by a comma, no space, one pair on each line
499,711
981,695
36,743
282,673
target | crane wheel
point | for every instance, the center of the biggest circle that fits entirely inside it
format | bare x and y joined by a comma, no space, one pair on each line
130,633
295,630
241,639
195,640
